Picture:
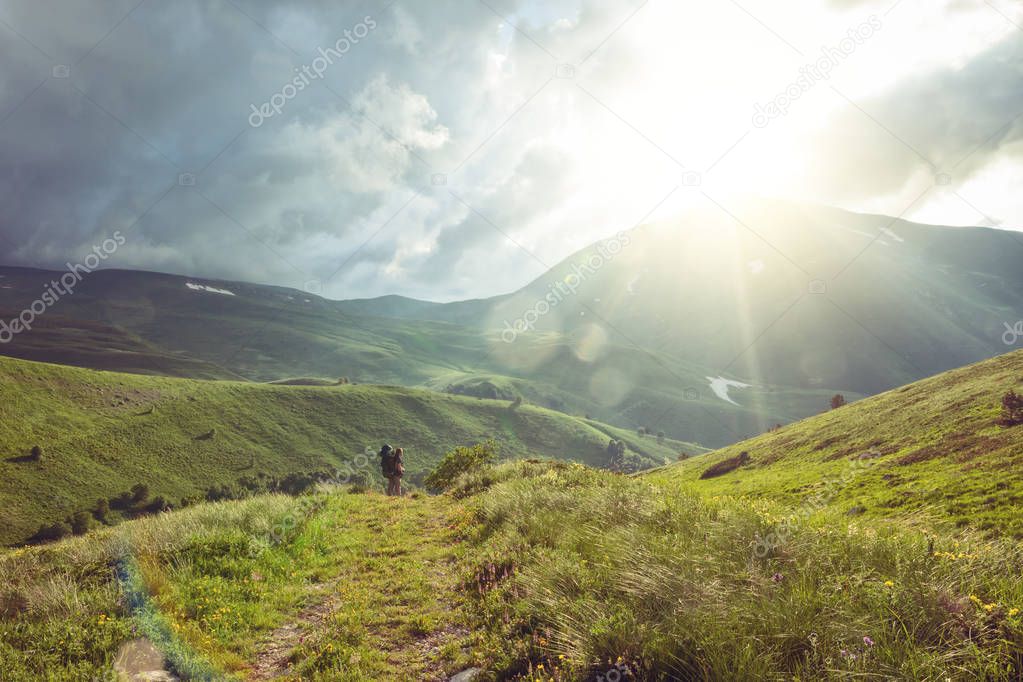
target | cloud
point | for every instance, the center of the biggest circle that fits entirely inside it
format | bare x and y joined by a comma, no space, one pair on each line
340,186
951,120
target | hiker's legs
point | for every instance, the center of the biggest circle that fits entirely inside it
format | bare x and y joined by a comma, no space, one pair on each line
392,484
397,486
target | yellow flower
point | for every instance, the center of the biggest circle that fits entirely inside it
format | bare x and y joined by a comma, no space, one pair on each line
889,583
1013,613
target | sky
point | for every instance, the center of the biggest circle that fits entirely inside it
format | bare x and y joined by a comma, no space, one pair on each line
459,149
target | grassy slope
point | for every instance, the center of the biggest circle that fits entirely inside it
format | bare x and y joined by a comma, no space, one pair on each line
101,433
357,587
531,571
940,454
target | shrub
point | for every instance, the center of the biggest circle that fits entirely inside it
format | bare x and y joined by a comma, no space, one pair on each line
81,522
51,532
101,510
459,461
837,401
36,453
139,493
121,501
660,436
726,465
516,404
1012,409
615,455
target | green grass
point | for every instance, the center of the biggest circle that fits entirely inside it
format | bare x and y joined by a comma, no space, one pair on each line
533,571
101,433
556,571
575,572
932,450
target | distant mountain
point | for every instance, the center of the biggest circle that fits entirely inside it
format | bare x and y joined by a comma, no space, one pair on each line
709,329
780,294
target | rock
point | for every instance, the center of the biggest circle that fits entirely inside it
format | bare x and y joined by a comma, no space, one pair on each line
467,675
140,661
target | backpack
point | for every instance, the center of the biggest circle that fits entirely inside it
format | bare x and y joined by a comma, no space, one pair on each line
387,458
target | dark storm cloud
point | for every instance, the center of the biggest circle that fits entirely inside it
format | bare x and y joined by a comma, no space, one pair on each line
149,133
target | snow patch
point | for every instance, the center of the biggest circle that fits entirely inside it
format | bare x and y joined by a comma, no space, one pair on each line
720,386
205,287
892,235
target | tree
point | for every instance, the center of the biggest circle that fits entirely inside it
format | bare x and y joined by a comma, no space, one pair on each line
516,404
101,510
615,455
1012,409
837,401
660,436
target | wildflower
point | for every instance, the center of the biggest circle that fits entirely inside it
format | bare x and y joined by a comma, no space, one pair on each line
1013,613
889,583
868,641
777,577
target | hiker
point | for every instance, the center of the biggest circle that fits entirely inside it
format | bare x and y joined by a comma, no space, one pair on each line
392,467
397,471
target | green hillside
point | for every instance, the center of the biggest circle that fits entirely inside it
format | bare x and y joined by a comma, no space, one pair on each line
794,565
102,433
161,324
933,450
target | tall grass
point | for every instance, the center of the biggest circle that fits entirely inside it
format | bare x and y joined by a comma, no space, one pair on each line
586,573
66,608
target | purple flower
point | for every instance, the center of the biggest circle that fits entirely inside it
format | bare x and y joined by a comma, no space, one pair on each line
868,641
777,577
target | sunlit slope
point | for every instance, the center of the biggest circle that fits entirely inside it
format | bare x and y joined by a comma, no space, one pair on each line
934,447
101,433
781,294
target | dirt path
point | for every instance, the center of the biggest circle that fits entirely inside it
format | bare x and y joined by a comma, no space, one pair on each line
275,653
392,610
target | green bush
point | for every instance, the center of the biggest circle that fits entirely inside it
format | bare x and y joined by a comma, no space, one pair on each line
81,522
51,532
460,461
139,493
101,510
